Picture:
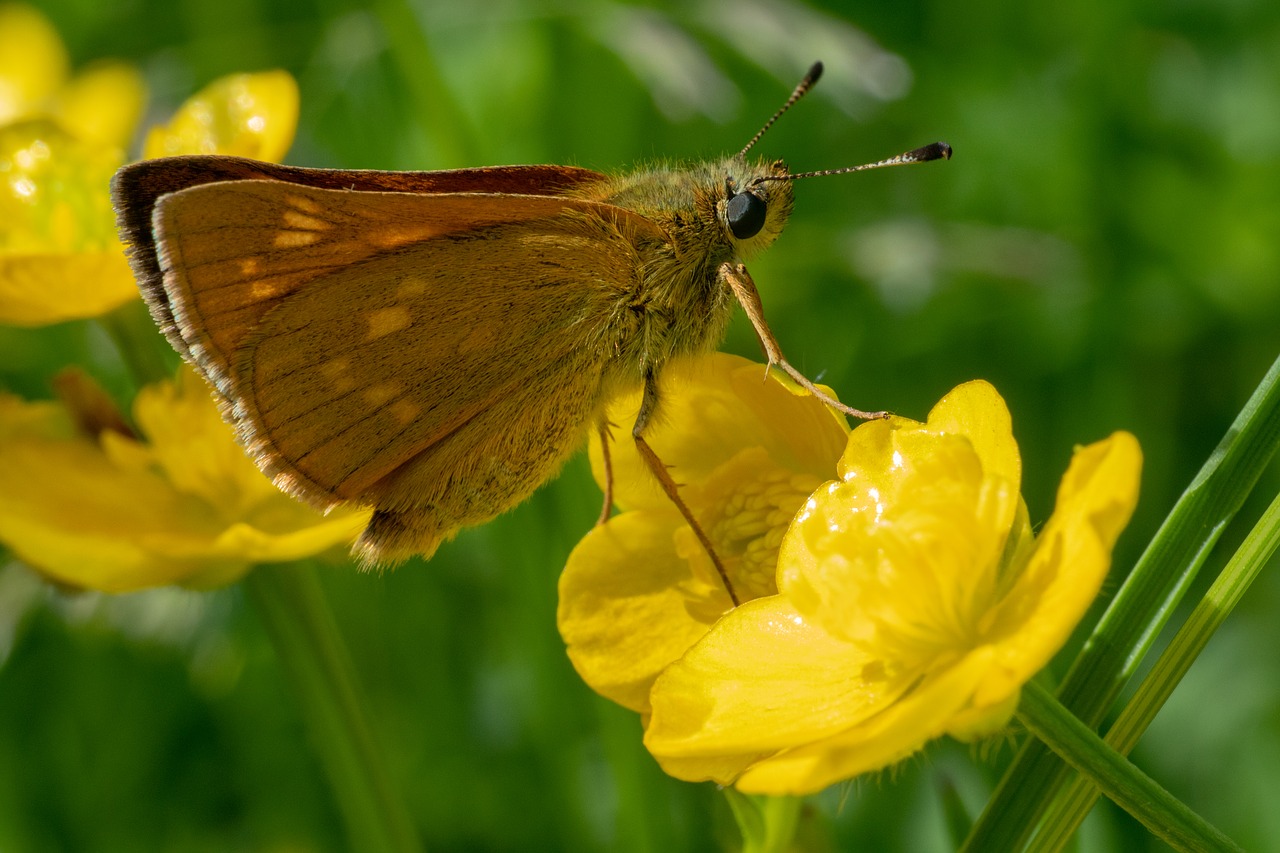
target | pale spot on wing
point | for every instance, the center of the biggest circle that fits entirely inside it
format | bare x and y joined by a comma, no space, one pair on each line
389,237
411,290
293,239
403,412
264,289
385,321
296,219
377,396
303,203
249,267
337,372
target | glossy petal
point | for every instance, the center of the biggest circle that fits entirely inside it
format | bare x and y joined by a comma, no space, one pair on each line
976,411
880,741
1072,555
762,680
629,605
246,115
104,513
905,550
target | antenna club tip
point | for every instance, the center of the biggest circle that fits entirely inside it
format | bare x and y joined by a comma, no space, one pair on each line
933,151
815,72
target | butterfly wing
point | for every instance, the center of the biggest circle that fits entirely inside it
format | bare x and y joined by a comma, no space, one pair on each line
137,187
435,355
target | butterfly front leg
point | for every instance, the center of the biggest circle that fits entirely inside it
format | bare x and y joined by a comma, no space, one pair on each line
739,281
648,405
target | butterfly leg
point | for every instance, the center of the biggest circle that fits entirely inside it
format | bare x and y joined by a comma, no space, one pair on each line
739,280
605,438
648,404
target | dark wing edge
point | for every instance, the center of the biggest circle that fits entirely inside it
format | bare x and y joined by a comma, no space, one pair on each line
137,187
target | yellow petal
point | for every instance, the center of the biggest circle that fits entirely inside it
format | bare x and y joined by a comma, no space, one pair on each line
67,511
179,417
33,62
101,514
103,103
710,409
875,743
904,551
629,606
1069,564
258,545
976,723
246,115
976,411
902,555
36,290
764,679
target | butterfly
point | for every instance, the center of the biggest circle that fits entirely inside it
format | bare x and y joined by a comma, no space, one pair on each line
436,344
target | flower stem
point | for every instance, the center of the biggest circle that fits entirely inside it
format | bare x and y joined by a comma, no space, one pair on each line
767,824
1126,785
145,354
291,604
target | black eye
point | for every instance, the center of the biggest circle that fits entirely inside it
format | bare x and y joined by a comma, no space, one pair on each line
746,213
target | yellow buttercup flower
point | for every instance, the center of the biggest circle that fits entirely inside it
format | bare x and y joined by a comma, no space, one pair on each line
91,505
243,115
913,602
101,103
60,257
638,591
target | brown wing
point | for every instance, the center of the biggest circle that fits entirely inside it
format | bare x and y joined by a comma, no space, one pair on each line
137,187
435,355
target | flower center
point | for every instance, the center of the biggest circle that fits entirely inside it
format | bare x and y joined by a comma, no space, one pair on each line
744,507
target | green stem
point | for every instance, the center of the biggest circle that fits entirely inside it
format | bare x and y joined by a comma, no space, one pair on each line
767,824
291,604
144,351
1222,597
1141,607
1130,788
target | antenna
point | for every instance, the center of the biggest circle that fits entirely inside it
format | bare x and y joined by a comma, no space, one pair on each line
815,71
933,151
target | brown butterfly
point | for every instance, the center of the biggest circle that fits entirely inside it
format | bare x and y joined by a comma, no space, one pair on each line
436,344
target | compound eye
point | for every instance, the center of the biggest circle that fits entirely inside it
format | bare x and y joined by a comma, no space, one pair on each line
746,214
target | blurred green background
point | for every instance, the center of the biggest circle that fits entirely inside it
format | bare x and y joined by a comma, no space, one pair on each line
1104,248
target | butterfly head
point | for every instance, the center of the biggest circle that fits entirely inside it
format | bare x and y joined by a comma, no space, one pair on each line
754,211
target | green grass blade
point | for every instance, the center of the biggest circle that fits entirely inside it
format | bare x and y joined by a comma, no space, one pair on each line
1139,610
1131,789
1221,598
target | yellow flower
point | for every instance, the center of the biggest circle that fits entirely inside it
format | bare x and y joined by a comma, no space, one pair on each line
101,104
92,506
638,591
914,602
244,115
60,258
